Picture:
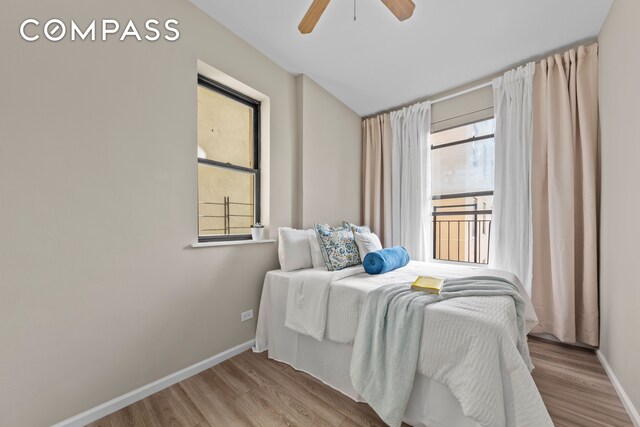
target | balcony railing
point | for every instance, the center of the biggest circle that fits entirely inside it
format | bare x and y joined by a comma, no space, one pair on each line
461,232
227,227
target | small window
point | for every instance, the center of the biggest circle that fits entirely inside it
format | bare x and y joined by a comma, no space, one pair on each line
228,162
462,165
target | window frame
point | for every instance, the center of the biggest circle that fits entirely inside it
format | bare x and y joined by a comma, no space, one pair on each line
460,142
255,171
434,213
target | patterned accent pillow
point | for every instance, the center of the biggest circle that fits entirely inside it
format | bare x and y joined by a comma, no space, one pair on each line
338,246
356,228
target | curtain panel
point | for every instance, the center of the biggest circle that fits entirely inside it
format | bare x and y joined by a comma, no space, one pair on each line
411,180
564,191
511,226
544,226
376,176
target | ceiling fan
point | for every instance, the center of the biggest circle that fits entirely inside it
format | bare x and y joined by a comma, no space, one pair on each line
402,9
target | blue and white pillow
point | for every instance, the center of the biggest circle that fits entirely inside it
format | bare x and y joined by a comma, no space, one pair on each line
338,247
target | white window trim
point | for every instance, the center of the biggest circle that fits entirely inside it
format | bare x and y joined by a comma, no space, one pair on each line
265,147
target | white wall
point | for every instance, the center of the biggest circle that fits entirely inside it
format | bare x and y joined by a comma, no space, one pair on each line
99,291
619,233
329,160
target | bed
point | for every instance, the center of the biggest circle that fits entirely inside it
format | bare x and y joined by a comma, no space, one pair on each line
485,328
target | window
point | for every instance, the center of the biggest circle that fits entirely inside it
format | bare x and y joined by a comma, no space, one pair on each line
228,163
462,164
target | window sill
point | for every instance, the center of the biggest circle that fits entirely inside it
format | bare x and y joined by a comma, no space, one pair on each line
231,243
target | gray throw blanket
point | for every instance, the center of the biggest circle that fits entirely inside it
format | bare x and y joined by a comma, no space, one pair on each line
387,343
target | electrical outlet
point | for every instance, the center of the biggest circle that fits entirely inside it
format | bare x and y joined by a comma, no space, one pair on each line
246,315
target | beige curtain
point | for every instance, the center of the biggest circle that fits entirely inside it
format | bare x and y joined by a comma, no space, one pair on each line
564,191
376,176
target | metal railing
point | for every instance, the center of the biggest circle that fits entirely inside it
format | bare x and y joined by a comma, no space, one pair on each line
227,204
461,233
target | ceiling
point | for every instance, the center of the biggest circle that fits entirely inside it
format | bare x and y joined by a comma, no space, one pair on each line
377,62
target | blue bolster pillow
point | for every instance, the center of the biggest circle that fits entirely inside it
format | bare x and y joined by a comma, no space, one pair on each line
386,260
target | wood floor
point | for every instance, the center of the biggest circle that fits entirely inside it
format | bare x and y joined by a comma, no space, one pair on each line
251,390
575,387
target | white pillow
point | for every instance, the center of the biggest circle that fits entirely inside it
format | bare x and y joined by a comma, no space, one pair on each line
316,254
367,242
294,251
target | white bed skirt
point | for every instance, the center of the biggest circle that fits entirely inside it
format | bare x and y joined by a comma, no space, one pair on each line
431,404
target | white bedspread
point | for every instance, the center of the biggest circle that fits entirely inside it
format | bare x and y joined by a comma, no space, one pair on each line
473,332
386,351
347,295
308,297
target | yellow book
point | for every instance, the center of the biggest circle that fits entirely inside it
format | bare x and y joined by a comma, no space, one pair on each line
428,284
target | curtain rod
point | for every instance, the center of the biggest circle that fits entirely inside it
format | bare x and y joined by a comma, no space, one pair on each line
444,98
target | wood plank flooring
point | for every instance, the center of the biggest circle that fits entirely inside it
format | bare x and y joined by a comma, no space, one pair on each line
252,390
575,387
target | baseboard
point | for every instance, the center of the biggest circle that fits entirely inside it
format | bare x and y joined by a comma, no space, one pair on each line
553,338
626,402
127,399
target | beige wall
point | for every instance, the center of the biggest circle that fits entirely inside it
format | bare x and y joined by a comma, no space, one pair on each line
620,148
99,291
330,162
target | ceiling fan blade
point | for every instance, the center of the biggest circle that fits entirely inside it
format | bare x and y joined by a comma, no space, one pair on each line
312,16
402,9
